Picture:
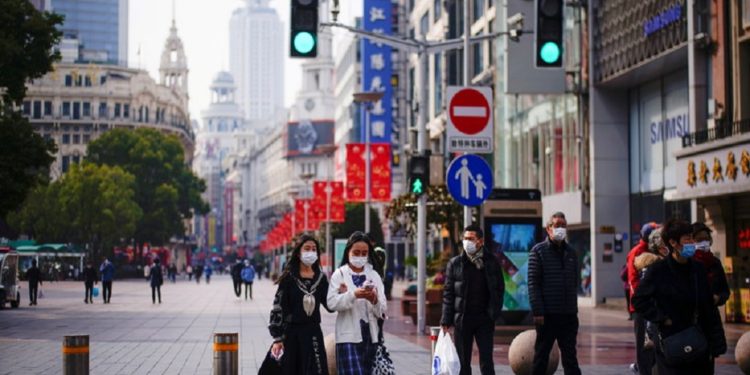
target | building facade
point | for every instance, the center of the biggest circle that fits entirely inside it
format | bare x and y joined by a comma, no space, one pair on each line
256,60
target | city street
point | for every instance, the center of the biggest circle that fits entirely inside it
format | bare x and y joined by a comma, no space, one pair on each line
131,335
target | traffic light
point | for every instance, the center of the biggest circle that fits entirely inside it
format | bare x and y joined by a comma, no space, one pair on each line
304,24
549,33
419,174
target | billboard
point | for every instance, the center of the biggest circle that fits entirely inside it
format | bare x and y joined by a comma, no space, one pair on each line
309,138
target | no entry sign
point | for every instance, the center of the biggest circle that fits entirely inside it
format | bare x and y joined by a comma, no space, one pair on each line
470,125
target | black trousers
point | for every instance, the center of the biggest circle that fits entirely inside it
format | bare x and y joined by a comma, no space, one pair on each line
248,289
154,291
237,287
33,290
106,290
89,296
562,328
643,357
479,328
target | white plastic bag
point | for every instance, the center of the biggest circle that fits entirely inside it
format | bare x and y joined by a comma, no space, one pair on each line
445,361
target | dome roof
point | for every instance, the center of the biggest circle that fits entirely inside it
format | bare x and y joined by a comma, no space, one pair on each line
224,77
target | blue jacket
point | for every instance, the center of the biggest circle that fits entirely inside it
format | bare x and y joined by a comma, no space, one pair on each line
248,274
208,271
108,271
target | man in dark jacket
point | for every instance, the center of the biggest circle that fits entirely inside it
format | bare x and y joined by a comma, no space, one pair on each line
553,284
89,279
473,299
156,280
237,277
34,276
107,269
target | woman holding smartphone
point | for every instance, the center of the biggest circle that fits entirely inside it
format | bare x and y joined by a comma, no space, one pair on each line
295,317
356,292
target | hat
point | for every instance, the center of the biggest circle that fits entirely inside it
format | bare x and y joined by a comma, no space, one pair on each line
647,229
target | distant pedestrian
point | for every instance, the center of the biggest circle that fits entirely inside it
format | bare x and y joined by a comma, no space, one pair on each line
237,277
89,280
295,317
473,299
675,296
259,271
553,293
34,276
189,271
198,272
107,269
172,273
157,279
208,271
248,276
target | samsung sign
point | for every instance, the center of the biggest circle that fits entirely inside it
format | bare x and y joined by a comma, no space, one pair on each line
673,127
662,20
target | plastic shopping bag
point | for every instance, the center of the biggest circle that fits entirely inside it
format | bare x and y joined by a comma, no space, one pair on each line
445,361
95,292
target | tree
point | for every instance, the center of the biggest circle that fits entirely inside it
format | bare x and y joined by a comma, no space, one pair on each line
166,189
355,221
26,40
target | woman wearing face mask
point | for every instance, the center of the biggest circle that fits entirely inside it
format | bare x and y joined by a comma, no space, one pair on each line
356,292
674,295
717,279
295,317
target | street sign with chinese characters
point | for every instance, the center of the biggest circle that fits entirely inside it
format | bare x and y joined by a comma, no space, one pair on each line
719,171
470,125
377,70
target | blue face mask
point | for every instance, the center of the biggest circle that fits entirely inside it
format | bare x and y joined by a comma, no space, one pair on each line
688,250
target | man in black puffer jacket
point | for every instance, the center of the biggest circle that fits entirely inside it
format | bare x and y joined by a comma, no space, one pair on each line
553,293
473,299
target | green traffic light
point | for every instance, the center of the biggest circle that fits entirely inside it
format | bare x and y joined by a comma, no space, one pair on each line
550,52
417,187
304,42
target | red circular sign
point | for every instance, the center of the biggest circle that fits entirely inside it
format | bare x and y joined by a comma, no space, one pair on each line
469,111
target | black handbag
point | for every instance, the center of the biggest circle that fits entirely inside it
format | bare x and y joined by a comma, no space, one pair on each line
688,345
270,365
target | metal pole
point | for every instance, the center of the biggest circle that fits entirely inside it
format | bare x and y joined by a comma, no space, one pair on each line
467,78
226,361
367,168
75,353
422,201
329,190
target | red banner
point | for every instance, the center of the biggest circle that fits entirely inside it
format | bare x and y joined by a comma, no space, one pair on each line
338,210
337,200
355,172
302,207
380,172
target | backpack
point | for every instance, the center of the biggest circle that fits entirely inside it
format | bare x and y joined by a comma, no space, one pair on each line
248,274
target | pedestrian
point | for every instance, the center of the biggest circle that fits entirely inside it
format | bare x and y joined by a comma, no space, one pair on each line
248,276
473,299
717,279
156,279
208,271
356,292
295,317
237,277
198,270
642,262
553,285
34,277
259,271
189,271
107,269
89,280
675,296
644,358
172,273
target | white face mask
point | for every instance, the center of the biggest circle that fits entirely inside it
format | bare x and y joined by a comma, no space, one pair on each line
470,247
559,234
358,262
308,257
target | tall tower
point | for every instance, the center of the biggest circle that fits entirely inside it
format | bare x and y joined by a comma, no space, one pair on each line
256,60
173,70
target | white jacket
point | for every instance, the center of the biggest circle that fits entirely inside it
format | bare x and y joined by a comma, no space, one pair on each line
347,321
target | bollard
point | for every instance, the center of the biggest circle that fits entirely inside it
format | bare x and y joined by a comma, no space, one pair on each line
75,353
225,354
434,332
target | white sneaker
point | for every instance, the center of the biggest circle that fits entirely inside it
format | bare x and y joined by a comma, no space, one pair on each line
634,368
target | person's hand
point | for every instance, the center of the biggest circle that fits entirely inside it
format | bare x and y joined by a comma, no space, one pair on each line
277,348
373,298
362,293
342,288
446,329
539,320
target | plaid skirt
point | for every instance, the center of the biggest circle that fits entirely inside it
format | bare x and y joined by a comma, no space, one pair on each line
356,358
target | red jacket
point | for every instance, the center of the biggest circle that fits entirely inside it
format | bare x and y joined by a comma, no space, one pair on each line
634,278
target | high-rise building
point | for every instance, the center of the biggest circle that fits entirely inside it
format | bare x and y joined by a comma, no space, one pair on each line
256,59
101,26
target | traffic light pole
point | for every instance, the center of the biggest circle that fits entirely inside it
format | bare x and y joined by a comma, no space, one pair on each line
423,49
467,78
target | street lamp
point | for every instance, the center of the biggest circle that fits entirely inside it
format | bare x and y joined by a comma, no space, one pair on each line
368,99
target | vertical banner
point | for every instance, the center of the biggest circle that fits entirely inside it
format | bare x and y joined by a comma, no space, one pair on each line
377,69
355,172
380,172
338,210
337,201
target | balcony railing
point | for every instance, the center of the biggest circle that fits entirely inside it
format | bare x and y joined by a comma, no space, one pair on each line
723,129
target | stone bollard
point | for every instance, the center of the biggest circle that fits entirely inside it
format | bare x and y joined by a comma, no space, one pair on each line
434,332
330,343
75,352
742,353
521,354
226,361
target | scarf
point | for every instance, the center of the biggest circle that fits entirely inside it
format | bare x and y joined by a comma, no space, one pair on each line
477,258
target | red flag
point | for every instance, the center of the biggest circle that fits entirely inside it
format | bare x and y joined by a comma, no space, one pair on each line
337,202
380,172
355,172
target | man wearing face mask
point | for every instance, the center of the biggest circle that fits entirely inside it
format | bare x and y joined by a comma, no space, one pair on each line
717,279
553,294
674,295
473,299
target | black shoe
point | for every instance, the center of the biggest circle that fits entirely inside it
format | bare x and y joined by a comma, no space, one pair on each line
86,301
31,304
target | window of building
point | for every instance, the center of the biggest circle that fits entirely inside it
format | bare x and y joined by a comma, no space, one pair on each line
746,14
76,159
478,58
126,110
47,108
65,163
76,139
478,9
66,109
37,112
76,110
86,139
66,139
27,108
103,110
68,80
47,137
146,114
437,10
87,81
102,80
424,24
86,109
117,110
79,80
